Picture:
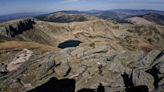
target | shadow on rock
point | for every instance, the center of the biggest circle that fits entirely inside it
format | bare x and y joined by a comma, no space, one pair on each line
55,85
99,89
154,71
130,85
127,80
86,90
141,88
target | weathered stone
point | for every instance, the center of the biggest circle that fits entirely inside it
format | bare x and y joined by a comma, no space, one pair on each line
140,77
149,58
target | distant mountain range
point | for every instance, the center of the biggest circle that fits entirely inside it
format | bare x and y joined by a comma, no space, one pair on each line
118,14
62,17
8,17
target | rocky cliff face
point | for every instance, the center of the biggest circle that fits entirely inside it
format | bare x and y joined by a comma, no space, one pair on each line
19,28
110,58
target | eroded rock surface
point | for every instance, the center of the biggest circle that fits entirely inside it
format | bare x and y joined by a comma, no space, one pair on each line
19,59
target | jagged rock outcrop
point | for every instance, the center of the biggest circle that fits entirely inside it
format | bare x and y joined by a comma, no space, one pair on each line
127,66
22,26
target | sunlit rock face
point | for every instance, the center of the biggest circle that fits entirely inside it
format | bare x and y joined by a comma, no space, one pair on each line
91,56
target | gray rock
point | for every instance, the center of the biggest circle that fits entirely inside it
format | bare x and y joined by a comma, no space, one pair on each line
140,77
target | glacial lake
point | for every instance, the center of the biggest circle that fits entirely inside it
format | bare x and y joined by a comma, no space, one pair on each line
69,43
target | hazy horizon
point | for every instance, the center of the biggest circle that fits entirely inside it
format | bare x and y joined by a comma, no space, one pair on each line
24,6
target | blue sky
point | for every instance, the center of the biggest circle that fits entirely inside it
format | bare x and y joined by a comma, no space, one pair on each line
17,6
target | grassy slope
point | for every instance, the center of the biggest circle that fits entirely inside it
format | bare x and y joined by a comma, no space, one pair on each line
27,45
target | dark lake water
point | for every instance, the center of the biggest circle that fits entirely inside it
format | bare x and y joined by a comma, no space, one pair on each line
69,43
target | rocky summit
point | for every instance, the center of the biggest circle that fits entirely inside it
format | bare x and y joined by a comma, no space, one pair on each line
87,56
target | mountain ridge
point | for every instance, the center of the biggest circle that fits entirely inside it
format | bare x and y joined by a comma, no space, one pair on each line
149,18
